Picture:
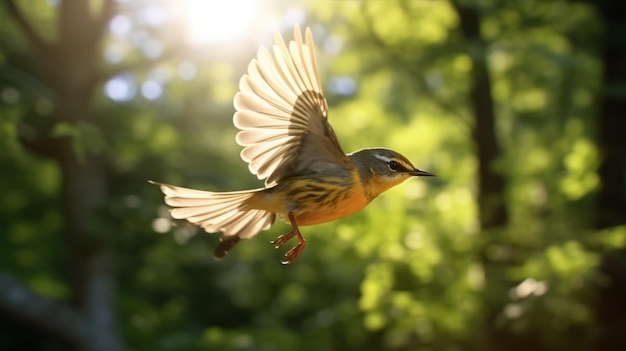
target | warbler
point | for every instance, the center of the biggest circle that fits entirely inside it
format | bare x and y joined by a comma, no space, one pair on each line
282,115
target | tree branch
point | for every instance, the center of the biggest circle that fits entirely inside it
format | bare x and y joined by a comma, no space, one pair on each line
54,317
43,146
35,39
109,9
140,64
101,19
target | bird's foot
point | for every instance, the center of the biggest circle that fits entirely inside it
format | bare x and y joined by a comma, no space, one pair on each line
281,240
292,254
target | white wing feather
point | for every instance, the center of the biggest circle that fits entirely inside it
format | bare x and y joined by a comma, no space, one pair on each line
282,114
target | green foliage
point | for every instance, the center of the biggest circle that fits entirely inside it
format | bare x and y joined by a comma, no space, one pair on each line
404,274
86,138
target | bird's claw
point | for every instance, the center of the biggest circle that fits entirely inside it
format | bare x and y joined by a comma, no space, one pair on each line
281,240
292,254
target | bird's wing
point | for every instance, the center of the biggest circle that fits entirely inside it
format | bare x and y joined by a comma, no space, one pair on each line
283,115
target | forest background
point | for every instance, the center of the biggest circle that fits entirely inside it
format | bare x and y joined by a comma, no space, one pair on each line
517,106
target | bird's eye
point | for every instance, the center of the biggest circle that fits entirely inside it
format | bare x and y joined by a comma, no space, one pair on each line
393,165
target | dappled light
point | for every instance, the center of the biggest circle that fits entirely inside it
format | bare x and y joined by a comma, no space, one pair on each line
121,88
517,244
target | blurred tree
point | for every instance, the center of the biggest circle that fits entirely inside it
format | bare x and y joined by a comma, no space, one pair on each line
69,66
610,211
611,123
492,184
499,252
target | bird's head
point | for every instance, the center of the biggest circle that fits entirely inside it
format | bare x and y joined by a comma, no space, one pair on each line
381,169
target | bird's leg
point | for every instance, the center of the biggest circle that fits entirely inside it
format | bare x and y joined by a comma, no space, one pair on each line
292,254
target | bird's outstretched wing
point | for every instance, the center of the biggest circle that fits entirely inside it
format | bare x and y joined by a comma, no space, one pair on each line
283,115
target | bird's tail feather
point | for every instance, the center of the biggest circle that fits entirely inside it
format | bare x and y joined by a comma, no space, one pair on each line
227,212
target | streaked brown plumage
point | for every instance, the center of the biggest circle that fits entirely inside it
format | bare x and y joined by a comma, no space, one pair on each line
283,118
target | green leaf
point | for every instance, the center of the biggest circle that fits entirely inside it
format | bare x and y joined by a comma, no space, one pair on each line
87,138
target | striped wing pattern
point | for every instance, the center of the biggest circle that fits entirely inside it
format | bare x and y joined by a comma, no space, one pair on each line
282,114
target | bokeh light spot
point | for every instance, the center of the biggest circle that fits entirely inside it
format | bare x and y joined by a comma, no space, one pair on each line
151,90
120,88
10,95
161,225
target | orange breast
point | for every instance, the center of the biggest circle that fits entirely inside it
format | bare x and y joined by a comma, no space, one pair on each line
353,202
315,200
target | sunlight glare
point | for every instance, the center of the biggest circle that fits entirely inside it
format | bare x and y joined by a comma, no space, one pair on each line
212,21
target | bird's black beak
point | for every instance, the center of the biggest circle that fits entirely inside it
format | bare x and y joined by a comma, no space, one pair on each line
419,173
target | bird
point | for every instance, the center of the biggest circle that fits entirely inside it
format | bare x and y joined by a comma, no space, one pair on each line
282,117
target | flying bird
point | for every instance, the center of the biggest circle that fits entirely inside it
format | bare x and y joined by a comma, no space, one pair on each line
282,116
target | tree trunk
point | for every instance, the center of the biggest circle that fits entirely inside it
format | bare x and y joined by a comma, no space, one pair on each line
83,185
90,258
610,308
611,210
70,67
493,211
